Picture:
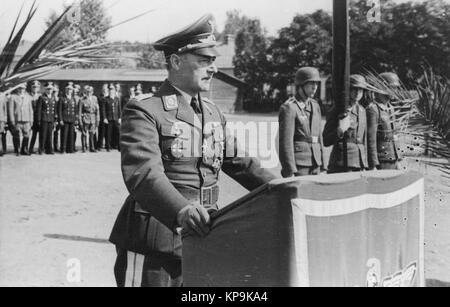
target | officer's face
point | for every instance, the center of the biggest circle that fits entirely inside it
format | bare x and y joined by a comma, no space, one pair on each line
310,89
197,71
356,94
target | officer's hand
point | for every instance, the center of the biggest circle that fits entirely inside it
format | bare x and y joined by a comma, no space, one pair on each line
344,124
61,123
106,122
194,220
120,121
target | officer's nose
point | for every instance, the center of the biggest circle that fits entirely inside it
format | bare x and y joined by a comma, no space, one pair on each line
213,69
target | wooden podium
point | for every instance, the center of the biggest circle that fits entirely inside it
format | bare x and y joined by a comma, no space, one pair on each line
363,229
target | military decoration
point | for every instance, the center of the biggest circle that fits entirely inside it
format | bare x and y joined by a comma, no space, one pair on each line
170,102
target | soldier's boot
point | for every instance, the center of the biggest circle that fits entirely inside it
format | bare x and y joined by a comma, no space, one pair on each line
83,143
24,150
91,144
3,143
16,143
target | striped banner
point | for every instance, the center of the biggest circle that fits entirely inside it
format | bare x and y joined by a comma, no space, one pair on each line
353,230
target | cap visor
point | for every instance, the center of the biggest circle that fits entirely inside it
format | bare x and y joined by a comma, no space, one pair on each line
210,52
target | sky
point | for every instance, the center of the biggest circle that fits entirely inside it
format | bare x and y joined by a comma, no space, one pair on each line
167,17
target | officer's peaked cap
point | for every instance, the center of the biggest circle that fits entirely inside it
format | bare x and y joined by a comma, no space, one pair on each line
196,38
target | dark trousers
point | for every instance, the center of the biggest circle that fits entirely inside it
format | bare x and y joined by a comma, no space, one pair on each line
3,142
112,135
34,137
68,134
101,135
45,137
133,270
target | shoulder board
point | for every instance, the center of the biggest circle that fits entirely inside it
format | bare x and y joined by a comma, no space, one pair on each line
143,97
204,99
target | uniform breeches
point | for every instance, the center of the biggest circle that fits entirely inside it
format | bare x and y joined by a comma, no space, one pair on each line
135,270
23,128
2,127
88,129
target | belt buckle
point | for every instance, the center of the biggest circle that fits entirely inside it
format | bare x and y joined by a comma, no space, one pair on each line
315,139
209,196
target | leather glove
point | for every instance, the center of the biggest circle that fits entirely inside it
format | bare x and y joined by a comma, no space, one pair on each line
194,220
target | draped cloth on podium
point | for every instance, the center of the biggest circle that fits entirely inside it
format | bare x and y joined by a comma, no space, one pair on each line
352,230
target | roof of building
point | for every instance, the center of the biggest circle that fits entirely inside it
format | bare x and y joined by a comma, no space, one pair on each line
103,75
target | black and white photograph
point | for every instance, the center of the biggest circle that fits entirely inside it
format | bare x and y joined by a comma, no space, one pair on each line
211,144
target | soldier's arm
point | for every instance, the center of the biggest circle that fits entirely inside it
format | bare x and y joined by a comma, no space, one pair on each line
324,166
246,171
372,127
142,167
331,132
286,145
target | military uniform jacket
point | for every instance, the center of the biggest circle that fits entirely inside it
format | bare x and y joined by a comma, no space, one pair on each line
68,110
111,109
381,137
159,165
89,111
20,109
3,109
301,143
47,109
356,138
34,103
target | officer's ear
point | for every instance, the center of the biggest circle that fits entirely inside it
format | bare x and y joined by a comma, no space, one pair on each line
174,62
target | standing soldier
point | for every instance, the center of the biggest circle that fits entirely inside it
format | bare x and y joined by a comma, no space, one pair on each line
139,90
3,121
112,118
21,119
47,113
58,127
102,132
89,118
131,96
170,186
76,95
348,136
301,145
68,114
35,94
382,140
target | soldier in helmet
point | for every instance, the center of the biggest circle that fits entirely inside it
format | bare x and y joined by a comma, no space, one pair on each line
348,136
382,139
89,118
35,94
301,145
171,175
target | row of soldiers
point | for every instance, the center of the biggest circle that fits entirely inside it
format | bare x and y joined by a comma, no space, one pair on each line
363,138
52,117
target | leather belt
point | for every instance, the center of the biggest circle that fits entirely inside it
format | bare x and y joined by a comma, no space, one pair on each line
207,197
307,139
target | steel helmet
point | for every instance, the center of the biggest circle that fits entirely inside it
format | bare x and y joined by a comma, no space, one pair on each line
358,81
391,79
307,74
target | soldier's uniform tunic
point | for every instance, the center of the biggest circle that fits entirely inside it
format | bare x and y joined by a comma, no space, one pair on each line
382,148
3,121
21,119
355,137
301,144
89,118
68,113
113,113
171,158
47,113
